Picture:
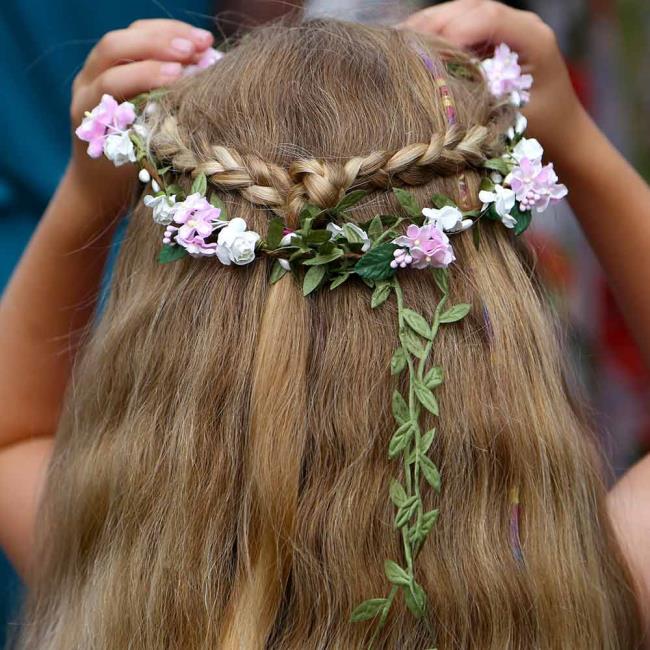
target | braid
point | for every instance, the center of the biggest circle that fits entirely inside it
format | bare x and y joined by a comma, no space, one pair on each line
324,183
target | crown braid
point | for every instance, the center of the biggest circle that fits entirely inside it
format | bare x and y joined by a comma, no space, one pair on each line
324,183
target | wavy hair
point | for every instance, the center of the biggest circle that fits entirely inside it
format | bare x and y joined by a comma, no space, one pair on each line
220,477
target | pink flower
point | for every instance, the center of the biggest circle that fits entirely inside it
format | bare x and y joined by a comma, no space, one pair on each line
198,220
427,246
107,118
504,78
535,186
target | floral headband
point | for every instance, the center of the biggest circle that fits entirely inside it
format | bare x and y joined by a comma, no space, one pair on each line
516,185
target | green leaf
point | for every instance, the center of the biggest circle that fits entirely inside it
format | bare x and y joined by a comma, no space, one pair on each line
487,184
308,213
523,219
498,164
375,264
417,323
350,199
406,512
397,493
441,201
455,313
398,361
277,272
428,521
318,237
339,280
426,397
381,294
401,411
413,343
216,202
400,439
175,190
368,610
430,472
396,574
171,254
415,599
434,377
408,203
319,260
200,184
351,234
274,233
442,280
313,278
426,441
376,228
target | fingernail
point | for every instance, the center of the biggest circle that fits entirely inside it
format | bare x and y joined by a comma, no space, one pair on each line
171,69
202,35
182,45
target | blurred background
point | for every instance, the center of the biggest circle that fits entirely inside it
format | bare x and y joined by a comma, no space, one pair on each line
607,45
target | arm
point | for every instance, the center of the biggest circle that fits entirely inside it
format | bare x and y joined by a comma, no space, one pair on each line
610,200
51,297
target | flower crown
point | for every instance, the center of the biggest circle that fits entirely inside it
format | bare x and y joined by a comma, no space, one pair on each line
516,185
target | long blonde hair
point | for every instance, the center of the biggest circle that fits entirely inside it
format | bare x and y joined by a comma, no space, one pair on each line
220,476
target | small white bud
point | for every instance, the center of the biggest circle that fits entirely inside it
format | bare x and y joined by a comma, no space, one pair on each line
154,186
144,176
284,264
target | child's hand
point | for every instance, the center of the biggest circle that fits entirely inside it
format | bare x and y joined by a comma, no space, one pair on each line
125,63
554,109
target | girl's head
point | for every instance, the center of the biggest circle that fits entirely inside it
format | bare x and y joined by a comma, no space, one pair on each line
221,476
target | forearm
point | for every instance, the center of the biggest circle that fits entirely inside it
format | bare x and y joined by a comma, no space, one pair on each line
612,204
46,307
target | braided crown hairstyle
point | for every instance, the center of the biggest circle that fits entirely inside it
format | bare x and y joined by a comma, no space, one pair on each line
285,180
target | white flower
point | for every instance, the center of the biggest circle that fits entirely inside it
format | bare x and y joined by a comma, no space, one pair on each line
144,176
504,200
119,149
235,244
337,231
521,124
528,148
163,207
286,240
284,264
449,218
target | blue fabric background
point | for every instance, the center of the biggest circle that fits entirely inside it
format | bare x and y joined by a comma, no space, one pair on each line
43,45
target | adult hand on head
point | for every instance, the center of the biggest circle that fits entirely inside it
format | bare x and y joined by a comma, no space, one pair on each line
480,25
124,63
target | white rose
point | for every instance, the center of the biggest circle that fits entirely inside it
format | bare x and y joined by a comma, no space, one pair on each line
528,148
235,244
163,207
119,149
503,199
337,231
449,218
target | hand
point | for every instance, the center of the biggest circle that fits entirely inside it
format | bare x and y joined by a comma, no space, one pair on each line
554,110
124,63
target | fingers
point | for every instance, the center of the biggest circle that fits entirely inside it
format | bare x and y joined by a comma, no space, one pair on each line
126,81
161,40
433,19
471,23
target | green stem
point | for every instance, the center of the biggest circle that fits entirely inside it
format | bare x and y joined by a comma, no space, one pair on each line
387,233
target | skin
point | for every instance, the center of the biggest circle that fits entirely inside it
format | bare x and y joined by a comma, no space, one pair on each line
603,190
51,296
